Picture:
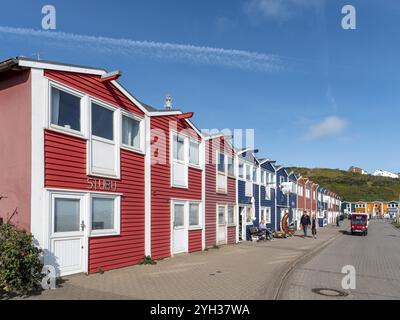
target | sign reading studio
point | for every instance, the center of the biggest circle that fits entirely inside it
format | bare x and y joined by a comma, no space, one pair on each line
102,184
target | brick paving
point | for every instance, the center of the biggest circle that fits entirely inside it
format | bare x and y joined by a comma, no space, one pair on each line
376,259
243,271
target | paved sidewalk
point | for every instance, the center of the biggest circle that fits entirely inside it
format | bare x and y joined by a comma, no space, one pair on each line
376,259
243,271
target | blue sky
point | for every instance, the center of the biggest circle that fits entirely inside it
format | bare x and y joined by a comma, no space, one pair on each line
316,95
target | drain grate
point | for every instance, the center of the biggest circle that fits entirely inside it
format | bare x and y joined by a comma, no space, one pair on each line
330,292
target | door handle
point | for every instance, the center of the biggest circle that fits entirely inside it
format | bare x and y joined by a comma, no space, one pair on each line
83,225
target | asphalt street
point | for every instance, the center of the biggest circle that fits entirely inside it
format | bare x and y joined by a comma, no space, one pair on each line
376,259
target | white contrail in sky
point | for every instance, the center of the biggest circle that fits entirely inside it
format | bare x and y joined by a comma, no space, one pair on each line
240,59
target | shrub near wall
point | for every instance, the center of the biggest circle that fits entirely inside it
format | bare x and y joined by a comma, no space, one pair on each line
20,264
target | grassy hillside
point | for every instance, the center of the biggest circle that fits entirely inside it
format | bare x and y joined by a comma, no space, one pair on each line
354,186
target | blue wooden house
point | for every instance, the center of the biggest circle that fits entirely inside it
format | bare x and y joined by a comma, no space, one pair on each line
267,193
320,205
393,208
282,194
293,217
248,192
324,206
347,207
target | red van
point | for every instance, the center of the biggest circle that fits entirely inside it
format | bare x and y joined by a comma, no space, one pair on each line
359,223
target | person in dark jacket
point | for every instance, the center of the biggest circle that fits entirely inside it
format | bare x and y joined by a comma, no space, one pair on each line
305,222
314,226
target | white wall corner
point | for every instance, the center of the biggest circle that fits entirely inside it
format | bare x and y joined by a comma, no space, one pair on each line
148,197
39,217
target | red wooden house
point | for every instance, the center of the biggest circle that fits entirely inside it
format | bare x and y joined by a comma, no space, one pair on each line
301,199
220,192
314,199
177,174
307,199
75,165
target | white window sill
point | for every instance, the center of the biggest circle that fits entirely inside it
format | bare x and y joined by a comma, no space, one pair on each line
222,191
104,175
231,225
132,149
195,166
195,228
179,186
66,131
95,234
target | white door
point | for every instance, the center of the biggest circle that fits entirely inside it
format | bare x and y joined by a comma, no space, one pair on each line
179,229
67,245
222,231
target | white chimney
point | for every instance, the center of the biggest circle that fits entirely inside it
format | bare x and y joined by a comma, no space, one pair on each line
168,102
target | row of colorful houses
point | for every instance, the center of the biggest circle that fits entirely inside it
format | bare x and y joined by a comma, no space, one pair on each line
373,208
102,180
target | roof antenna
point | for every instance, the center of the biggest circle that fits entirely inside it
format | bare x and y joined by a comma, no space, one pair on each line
37,55
168,102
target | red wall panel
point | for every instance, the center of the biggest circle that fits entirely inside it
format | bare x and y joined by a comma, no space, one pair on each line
212,198
65,167
161,190
195,240
231,235
91,85
15,147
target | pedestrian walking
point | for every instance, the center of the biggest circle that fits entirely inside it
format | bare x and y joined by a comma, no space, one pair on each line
314,226
305,222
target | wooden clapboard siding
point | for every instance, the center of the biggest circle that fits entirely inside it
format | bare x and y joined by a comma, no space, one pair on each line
110,251
91,85
65,168
212,197
231,234
161,191
195,243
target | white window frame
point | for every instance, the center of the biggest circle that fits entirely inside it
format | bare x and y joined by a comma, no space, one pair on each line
223,175
85,132
234,215
266,212
273,180
199,152
225,208
268,192
270,179
141,132
184,162
233,166
253,215
83,115
116,141
117,216
69,196
263,177
200,224
243,176
249,172
255,174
